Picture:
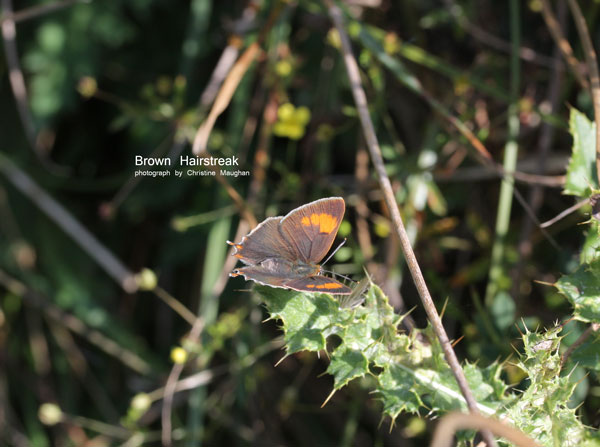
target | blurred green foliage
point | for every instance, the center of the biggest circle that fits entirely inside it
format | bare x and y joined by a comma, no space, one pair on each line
110,80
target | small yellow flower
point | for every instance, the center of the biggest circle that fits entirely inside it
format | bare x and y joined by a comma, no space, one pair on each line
415,427
302,115
146,279
461,85
286,112
179,355
291,121
354,29
87,87
391,43
333,38
382,228
283,68
50,414
141,402
535,5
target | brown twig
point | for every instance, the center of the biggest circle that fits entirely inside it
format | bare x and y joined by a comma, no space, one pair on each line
552,164
171,384
231,82
594,327
79,365
19,89
527,54
56,212
86,240
564,213
16,78
547,132
175,304
592,64
386,187
219,73
38,10
73,323
452,422
562,43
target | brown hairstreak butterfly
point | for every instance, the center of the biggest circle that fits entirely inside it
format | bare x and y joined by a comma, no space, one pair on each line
284,251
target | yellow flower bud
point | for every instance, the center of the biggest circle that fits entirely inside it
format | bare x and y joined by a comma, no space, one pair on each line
146,279
141,402
179,355
50,414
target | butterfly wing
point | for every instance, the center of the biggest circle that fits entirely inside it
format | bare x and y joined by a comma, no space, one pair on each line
318,283
311,228
264,242
261,275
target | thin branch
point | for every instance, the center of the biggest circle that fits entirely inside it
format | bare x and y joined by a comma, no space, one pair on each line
565,213
38,10
86,240
65,220
19,89
547,132
231,82
594,327
17,80
360,100
172,383
226,61
525,53
592,64
455,421
175,304
73,323
562,43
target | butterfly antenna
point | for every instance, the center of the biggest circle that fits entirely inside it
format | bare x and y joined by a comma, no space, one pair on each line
334,252
338,274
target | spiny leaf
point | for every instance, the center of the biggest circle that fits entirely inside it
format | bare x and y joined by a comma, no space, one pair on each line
582,289
581,172
542,410
347,364
411,372
591,246
588,354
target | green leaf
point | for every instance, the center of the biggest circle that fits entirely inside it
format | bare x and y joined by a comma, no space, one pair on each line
347,364
397,391
307,318
582,289
588,354
591,247
581,172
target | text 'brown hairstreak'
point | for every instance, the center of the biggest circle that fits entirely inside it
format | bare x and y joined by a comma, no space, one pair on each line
284,251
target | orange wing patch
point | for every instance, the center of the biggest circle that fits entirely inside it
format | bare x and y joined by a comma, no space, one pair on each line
329,285
326,222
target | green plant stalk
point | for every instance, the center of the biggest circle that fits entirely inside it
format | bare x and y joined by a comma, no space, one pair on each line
509,164
208,309
352,423
195,44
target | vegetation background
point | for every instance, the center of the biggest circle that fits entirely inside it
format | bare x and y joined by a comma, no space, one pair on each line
103,273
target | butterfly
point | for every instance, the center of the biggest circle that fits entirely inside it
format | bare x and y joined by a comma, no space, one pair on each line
284,251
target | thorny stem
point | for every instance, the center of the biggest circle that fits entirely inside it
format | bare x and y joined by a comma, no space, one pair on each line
369,132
